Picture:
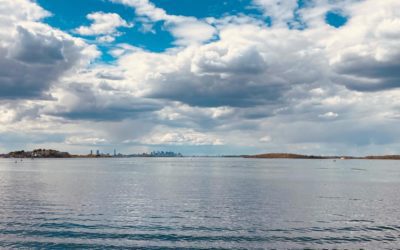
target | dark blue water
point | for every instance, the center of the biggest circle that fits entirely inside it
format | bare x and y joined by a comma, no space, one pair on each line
199,204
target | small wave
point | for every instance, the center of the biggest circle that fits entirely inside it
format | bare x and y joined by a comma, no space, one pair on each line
362,221
331,197
358,169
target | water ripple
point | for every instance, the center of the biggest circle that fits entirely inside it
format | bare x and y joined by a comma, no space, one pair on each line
198,204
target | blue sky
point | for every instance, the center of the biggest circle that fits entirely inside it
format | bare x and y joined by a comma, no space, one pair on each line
68,17
200,77
72,15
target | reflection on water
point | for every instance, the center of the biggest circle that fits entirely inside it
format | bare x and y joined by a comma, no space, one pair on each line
199,203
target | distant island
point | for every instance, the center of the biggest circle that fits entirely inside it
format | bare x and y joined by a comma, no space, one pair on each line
37,153
314,157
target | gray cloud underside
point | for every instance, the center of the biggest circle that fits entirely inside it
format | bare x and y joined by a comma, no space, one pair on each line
33,63
92,105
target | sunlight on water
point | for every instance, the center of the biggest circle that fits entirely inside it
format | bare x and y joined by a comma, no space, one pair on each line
199,203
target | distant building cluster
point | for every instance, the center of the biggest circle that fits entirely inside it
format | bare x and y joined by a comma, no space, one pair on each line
165,154
152,154
99,154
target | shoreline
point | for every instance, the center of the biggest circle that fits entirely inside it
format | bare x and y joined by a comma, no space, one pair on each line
314,157
54,154
375,158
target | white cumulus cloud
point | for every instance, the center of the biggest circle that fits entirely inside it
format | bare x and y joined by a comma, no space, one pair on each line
104,24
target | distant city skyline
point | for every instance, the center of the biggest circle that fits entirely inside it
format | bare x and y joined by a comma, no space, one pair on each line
210,77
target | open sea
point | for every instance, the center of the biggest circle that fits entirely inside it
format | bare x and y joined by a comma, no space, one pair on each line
199,203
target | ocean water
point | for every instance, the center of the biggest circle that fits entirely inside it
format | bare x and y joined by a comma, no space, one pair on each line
199,203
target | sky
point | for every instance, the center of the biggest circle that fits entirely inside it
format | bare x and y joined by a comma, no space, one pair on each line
210,77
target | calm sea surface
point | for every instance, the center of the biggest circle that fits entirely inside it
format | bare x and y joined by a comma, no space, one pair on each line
199,203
